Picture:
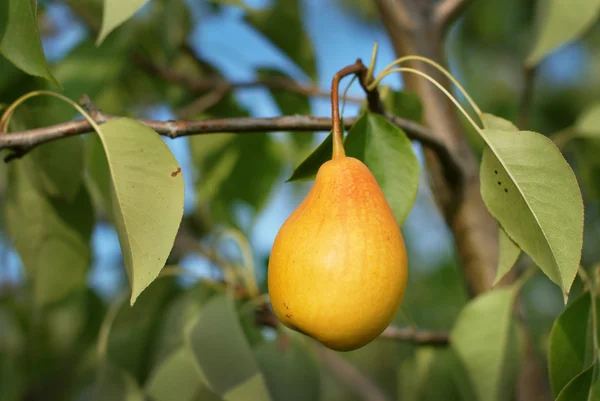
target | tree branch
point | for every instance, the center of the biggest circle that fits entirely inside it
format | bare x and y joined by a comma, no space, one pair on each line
418,337
446,11
22,142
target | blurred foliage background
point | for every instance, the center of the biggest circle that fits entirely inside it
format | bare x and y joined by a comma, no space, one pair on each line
239,181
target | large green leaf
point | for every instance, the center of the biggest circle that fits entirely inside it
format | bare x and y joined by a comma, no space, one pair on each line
570,350
97,175
115,13
291,371
114,384
231,173
485,338
282,25
20,39
224,355
560,22
386,151
530,189
52,236
584,387
147,201
179,375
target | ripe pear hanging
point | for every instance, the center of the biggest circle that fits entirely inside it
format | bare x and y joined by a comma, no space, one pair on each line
338,267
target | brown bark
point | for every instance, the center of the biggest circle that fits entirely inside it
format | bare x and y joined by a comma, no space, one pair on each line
475,231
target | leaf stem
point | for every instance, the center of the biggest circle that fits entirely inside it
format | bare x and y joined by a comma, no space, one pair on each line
338,144
388,70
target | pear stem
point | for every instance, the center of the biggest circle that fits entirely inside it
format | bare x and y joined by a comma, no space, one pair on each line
338,144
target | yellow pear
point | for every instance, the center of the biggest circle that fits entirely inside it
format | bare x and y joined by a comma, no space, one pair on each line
338,266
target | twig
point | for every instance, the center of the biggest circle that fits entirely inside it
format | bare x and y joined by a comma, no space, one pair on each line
446,11
22,142
526,97
419,337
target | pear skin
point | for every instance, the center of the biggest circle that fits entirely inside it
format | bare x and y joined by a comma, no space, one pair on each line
338,266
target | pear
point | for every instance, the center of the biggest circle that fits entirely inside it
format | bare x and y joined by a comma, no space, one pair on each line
338,266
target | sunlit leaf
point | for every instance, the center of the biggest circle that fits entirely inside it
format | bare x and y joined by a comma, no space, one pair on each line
485,338
290,370
97,175
115,13
20,39
179,374
52,236
560,22
282,25
147,200
530,189
223,354
508,253
570,350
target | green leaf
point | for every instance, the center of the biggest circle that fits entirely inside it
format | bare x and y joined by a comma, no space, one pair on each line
282,25
52,236
230,171
570,350
179,375
224,355
386,151
116,385
170,333
584,387
115,13
58,167
132,332
508,253
147,199
531,190
485,339
291,372
307,170
20,40
588,123
560,22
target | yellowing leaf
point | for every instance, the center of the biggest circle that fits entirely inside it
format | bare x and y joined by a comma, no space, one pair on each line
147,198
561,22
115,13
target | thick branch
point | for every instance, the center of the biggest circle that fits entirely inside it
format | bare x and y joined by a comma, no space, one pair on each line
447,11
